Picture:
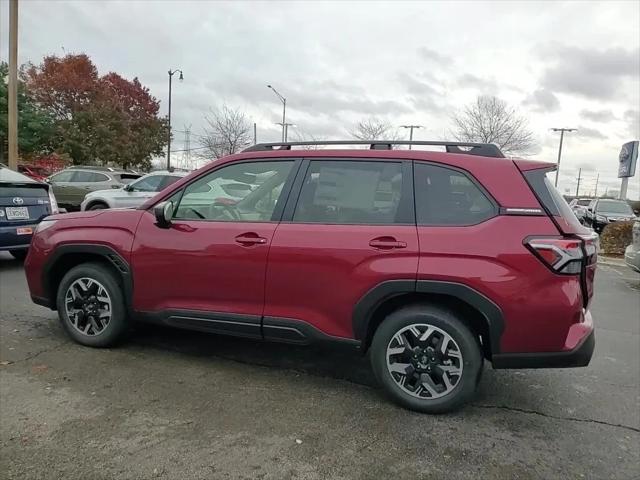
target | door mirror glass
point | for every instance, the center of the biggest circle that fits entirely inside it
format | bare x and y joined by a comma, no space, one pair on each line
163,213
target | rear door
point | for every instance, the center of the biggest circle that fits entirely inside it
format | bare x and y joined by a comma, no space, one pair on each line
62,186
348,226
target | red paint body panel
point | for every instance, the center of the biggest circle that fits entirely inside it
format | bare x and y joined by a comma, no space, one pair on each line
319,272
198,265
491,258
112,228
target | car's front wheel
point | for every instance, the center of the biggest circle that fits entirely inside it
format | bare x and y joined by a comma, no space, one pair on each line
91,305
426,359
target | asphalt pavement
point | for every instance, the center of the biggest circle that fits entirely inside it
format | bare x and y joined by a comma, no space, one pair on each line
183,405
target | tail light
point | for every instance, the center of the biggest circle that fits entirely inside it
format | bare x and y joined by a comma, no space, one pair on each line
561,255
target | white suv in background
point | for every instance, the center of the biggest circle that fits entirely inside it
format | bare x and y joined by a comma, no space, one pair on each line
133,194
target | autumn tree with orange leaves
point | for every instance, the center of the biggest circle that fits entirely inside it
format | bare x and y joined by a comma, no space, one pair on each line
99,120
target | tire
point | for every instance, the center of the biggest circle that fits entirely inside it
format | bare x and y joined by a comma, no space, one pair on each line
97,283
20,254
98,206
463,355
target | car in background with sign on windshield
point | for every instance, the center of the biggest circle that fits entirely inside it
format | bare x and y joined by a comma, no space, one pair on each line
72,184
24,202
133,194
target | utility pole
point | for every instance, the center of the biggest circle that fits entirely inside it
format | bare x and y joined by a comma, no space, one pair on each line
411,127
255,133
285,129
561,130
578,187
13,84
597,180
187,146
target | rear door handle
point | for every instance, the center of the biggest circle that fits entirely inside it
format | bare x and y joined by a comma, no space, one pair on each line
250,238
387,243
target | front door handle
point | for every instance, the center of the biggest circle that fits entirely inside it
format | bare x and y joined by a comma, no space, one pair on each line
387,243
250,238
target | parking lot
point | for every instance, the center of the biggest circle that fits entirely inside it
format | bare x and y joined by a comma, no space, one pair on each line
174,404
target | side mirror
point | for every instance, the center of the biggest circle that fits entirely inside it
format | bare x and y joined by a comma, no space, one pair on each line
127,188
163,213
47,180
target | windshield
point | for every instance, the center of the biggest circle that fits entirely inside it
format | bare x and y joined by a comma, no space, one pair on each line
584,203
613,206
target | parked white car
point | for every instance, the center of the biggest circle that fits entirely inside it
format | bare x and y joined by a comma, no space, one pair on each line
133,194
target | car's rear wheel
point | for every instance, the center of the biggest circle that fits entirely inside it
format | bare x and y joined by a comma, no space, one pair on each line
91,305
98,206
426,359
20,254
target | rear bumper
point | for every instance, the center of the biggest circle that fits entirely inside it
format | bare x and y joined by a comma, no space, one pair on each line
580,343
10,240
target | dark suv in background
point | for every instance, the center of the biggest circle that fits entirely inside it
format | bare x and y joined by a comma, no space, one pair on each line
602,211
72,184
429,261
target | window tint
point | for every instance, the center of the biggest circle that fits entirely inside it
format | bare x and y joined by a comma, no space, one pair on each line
148,184
63,176
210,197
89,177
168,180
448,197
342,192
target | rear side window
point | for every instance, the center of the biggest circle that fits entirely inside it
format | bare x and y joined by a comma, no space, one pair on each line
344,192
168,180
550,198
89,177
449,197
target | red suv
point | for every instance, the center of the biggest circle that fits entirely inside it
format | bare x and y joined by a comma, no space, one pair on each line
430,261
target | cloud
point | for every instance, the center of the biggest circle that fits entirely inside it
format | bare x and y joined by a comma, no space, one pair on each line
590,133
591,73
542,100
468,80
632,117
433,56
600,116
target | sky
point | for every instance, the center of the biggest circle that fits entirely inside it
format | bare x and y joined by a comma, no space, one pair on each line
561,64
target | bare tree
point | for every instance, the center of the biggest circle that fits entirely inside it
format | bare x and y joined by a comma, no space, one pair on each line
491,120
228,131
301,135
374,128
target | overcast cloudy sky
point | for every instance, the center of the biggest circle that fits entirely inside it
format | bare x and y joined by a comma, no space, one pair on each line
562,64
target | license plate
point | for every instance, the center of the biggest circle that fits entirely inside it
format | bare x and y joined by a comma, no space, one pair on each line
17,213
24,231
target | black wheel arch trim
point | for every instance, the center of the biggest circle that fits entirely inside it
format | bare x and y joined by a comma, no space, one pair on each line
387,290
120,265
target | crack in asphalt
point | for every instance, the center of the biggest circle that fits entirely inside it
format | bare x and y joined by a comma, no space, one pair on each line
556,417
40,352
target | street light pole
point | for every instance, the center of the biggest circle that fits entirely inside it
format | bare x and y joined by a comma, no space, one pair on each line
411,127
171,73
561,130
284,112
286,129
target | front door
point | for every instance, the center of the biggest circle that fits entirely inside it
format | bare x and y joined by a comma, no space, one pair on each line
351,229
206,271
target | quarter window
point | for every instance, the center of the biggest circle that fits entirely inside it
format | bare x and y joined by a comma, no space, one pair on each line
242,192
350,192
449,197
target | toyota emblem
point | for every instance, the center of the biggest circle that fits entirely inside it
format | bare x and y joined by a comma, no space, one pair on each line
18,201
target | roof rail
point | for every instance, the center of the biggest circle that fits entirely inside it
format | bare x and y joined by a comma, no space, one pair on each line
467,148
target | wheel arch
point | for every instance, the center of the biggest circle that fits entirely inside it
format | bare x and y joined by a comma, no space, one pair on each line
482,315
68,256
97,201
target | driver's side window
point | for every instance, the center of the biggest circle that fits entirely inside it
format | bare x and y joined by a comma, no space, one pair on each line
241,192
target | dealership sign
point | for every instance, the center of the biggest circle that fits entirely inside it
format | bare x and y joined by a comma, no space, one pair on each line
628,159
